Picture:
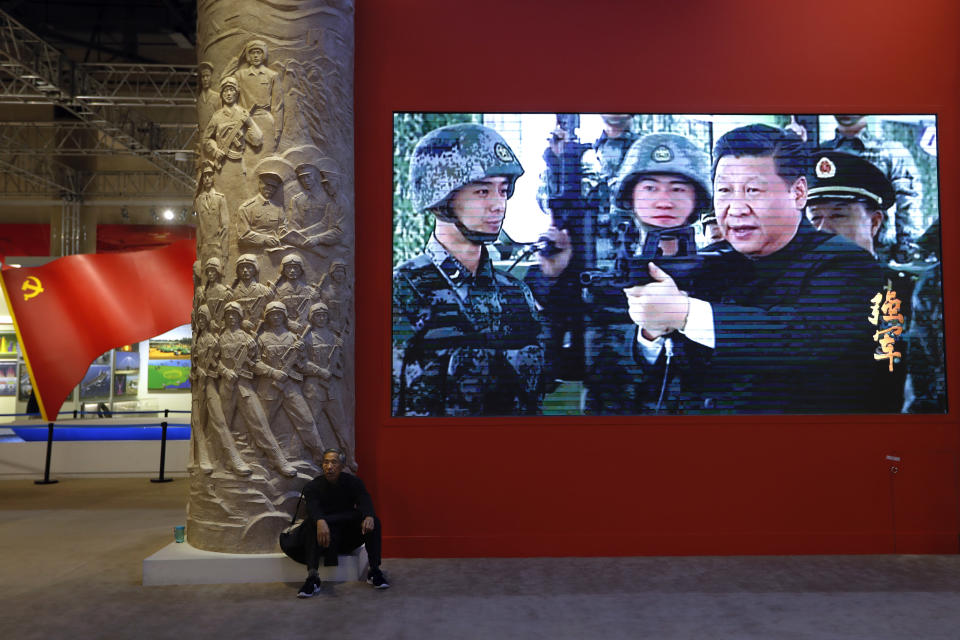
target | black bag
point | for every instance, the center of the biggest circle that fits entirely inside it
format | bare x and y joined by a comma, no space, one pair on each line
291,538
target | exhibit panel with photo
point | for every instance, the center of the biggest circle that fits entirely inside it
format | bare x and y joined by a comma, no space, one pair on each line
168,365
674,264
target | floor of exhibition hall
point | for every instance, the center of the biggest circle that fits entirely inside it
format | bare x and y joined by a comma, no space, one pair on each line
72,556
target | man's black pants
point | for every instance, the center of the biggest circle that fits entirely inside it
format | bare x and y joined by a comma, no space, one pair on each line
345,536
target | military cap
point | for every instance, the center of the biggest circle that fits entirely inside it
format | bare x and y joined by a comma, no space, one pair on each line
451,157
204,310
318,306
274,166
207,167
842,176
256,44
229,81
665,153
204,65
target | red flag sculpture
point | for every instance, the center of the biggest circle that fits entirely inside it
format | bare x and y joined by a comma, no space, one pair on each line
73,309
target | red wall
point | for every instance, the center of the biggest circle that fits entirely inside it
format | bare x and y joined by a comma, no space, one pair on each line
648,485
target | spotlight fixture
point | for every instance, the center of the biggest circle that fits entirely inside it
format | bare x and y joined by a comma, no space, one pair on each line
168,214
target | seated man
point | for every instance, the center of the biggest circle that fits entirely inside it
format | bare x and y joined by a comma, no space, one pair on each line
339,519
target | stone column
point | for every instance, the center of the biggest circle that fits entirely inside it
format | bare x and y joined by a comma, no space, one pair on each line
272,377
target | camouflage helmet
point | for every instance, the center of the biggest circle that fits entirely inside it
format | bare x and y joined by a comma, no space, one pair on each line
666,153
275,306
233,306
450,157
248,258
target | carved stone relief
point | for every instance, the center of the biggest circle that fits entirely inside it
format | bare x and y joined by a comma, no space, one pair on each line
273,340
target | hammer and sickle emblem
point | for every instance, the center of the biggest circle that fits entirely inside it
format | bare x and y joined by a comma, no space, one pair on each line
32,287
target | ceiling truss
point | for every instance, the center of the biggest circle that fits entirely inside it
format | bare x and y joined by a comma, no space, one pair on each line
144,110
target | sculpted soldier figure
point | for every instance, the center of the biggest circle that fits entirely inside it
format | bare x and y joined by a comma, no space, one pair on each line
322,375
293,291
260,93
282,359
248,292
214,293
225,139
335,292
206,400
315,219
466,336
237,366
212,215
260,220
208,100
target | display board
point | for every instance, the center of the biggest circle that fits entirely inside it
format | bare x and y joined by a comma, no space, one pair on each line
812,285
168,366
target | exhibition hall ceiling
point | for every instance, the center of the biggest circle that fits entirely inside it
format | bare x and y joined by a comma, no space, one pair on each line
97,106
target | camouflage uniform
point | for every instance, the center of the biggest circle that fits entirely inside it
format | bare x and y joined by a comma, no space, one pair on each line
906,224
618,380
464,344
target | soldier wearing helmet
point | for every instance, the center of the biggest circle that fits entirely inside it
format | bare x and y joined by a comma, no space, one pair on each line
247,291
466,336
335,292
294,292
324,367
281,367
214,294
239,406
207,415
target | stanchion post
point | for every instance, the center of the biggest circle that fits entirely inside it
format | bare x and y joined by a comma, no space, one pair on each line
163,453
46,467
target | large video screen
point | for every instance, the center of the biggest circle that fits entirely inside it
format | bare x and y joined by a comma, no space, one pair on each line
635,264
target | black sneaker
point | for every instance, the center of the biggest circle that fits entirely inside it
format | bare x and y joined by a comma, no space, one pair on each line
375,577
310,588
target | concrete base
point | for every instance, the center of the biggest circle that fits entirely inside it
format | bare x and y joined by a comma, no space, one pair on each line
179,563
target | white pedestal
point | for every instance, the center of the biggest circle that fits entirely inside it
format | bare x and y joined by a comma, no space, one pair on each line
179,563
